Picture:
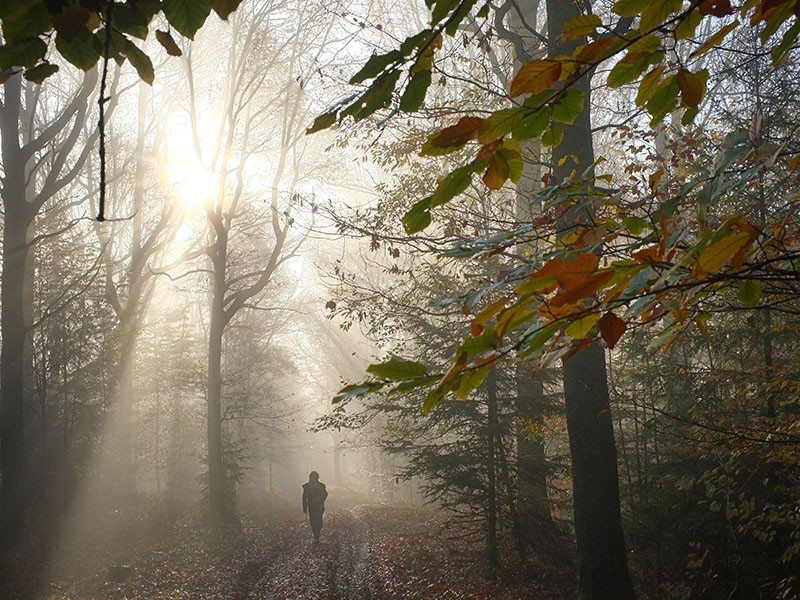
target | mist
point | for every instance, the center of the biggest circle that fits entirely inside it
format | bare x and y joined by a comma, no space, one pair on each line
391,300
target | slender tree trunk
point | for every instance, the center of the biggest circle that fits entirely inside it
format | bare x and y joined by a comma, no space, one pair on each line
17,221
217,501
602,558
492,554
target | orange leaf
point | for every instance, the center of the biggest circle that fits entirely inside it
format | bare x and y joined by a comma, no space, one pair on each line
647,255
535,76
458,134
611,328
577,269
595,51
552,267
581,288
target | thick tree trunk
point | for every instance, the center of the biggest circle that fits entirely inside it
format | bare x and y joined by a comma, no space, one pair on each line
602,559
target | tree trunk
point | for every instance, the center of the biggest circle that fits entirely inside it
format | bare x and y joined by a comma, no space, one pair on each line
602,559
492,555
533,506
217,501
17,221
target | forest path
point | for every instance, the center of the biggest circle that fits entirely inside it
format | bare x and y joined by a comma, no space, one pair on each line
336,568
367,552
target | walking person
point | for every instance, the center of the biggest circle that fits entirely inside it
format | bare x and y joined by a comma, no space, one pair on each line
314,495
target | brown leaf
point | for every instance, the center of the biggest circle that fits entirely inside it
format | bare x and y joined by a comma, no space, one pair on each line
718,8
691,87
458,134
611,328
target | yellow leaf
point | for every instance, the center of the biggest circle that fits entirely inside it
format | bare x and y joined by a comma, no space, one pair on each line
580,27
715,39
717,255
649,85
580,329
654,179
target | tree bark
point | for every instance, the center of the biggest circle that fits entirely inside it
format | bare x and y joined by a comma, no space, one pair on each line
602,558
217,501
17,221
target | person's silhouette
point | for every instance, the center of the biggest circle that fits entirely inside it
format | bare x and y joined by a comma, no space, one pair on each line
314,495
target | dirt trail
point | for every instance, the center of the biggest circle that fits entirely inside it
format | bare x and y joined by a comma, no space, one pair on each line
336,568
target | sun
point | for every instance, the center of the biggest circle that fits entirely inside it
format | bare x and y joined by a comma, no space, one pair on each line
186,180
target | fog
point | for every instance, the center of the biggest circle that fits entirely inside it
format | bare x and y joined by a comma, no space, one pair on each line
521,324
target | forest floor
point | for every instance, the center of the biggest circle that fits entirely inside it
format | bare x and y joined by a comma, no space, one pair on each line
367,552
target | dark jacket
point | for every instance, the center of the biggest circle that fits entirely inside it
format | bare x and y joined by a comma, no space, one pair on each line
314,497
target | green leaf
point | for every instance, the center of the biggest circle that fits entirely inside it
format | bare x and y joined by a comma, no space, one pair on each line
357,390
532,126
664,100
553,136
322,122
141,62
499,124
631,67
580,27
536,340
29,21
396,369
568,107
516,165
458,16
187,16
635,225
456,182
469,381
749,293
376,64
414,94
441,9
580,328
415,41
630,8
686,28
224,8
84,51
377,96
25,53
412,384
131,21
657,12
649,85
40,72
419,217
475,345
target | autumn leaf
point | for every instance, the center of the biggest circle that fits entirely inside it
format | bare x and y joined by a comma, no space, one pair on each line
716,256
580,27
168,43
458,134
611,329
691,87
580,328
595,51
535,76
